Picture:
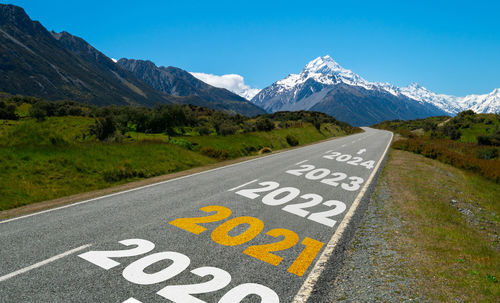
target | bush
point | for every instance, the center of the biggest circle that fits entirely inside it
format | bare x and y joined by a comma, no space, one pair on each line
182,143
291,140
484,140
316,123
211,152
227,129
38,112
264,125
265,150
8,112
204,131
487,153
103,128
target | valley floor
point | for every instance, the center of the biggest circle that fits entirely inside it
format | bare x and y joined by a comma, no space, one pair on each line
430,234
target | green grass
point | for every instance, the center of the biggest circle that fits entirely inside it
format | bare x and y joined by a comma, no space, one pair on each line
36,174
54,158
474,129
454,255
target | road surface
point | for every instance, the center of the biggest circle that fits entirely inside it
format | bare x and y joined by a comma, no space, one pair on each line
265,230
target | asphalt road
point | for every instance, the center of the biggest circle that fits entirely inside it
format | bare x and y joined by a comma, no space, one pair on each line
307,207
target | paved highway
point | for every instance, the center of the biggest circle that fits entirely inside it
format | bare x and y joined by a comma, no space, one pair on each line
266,230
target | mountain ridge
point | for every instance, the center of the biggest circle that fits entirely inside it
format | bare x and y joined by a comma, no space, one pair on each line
178,82
313,89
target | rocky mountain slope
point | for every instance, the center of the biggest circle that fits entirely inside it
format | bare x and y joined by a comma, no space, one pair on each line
178,82
326,86
55,66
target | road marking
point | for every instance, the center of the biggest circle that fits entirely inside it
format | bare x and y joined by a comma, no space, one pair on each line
307,287
344,145
155,184
239,186
298,163
49,260
361,151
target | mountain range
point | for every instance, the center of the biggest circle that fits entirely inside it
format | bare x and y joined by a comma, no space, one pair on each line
55,66
323,85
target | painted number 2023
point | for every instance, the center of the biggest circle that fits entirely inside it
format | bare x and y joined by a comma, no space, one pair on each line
325,176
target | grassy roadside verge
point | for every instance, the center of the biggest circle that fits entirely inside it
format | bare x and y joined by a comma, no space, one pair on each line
450,227
57,165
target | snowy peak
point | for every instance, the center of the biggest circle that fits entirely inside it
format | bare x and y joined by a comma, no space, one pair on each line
327,66
323,65
323,70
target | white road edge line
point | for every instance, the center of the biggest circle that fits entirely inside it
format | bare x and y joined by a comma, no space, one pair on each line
307,287
47,261
242,185
155,184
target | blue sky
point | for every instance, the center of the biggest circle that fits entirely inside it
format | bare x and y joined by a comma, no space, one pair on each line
449,47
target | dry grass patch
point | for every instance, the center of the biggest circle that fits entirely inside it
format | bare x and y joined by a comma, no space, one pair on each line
451,227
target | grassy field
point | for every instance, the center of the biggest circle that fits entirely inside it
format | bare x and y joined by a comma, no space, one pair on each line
451,227
468,141
42,160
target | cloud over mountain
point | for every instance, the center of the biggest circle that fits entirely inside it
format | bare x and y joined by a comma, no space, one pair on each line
232,82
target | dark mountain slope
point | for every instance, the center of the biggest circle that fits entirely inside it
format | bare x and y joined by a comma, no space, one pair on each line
54,66
178,82
358,106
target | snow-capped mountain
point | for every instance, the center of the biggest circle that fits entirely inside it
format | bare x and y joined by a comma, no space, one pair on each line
326,86
487,103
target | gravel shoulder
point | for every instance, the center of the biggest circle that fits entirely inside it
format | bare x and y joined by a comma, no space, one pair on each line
375,269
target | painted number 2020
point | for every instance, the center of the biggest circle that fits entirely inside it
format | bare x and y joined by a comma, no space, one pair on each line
136,273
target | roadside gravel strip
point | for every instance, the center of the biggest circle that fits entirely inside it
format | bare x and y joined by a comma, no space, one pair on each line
272,229
373,271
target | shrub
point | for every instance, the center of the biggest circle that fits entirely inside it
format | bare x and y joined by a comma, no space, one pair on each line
103,128
204,131
211,152
265,150
484,140
38,112
182,143
317,123
8,112
291,140
487,153
227,129
265,125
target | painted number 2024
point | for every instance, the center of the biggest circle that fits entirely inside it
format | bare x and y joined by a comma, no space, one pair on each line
350,159
135,273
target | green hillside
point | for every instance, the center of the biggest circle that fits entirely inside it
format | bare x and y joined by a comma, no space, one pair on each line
54,149
469,141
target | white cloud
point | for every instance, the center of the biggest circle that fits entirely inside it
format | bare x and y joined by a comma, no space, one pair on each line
232,82
114,60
